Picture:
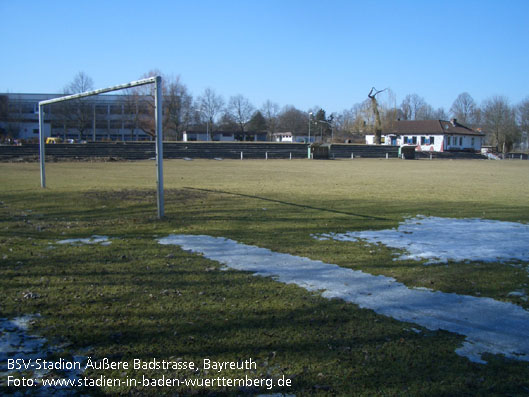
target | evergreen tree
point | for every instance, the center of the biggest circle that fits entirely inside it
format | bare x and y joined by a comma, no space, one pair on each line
257,122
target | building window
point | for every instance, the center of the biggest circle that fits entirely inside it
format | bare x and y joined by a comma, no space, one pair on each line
460,141
115,124
115,109
423,140
414,140
432,140
472,141
101,109
27,108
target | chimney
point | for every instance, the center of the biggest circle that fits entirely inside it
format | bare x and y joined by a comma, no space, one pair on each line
454,122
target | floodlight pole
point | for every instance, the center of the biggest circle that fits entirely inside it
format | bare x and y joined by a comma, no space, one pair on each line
310,115
159,144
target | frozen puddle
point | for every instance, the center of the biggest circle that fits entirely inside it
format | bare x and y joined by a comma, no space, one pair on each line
17,343
439,240
490,326
95,239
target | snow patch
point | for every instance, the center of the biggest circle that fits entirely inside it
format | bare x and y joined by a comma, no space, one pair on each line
17,343
519,294
14,341
439,240
490,326
95,239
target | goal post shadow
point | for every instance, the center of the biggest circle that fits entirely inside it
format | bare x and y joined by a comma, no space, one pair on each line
157,81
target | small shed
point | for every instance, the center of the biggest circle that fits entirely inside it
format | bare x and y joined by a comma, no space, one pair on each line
321,152
407,152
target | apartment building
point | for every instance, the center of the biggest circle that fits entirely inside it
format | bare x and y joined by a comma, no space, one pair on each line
98,118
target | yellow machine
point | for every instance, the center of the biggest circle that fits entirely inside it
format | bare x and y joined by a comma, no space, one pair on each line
53,140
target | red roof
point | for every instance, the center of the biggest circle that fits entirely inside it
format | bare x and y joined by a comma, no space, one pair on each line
431,127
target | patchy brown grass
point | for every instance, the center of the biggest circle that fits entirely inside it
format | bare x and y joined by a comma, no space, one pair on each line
137,299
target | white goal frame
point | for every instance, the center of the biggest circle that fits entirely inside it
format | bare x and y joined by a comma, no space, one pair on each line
157,80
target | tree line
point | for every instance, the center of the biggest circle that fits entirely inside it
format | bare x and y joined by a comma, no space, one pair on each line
505,124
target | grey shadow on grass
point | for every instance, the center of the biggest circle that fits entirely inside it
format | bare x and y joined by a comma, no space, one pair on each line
289,203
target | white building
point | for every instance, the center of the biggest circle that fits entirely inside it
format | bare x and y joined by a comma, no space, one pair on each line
290,137
282,137
432,135
200,135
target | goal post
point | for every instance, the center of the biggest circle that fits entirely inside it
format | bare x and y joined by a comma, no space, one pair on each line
157,81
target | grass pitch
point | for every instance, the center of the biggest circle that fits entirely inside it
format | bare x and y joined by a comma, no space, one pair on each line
138,299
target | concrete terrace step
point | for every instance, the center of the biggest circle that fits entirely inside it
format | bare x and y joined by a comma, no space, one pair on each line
450,155
146,150
371,151
210,150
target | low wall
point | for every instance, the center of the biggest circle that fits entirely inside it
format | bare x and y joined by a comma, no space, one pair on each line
194,150
210,150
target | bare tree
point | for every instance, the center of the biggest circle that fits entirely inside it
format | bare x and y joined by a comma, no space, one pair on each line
79,112
270,111
523,115
374,106
500,122
439,114
464,109
177,106
292,120
131,108
143,99
227,123
210,105
80,83
523,122
241,111
359,119
387,105
4,106
414,107
11,115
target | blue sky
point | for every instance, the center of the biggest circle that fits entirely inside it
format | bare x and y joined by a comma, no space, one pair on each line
301,53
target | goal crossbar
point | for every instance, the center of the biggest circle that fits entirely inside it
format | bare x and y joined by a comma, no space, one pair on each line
157,81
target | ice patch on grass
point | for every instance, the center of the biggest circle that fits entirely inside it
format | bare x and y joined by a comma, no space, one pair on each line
439,240
95,239
17,343
490,326
519,294
14,341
